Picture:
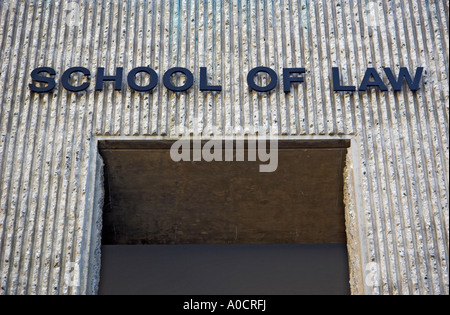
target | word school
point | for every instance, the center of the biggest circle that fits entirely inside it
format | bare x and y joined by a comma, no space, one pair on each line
371,79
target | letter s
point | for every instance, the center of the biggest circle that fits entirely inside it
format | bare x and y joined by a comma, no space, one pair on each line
35,75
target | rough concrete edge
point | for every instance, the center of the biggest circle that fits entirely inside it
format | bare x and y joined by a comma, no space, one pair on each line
352,221
91,262
96,240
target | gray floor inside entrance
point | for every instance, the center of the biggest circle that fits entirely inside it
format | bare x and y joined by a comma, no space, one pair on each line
299,269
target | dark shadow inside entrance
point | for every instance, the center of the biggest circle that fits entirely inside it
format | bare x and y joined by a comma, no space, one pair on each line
223,227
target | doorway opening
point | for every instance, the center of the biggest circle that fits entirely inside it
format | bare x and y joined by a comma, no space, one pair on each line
223,227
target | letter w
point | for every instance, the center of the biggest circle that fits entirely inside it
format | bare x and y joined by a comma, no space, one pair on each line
404,76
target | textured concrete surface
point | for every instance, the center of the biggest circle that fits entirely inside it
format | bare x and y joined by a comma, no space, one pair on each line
397,177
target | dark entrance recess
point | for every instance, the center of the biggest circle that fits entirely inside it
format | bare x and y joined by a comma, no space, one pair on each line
223,227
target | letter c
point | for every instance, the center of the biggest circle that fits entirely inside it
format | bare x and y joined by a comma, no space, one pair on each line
66,77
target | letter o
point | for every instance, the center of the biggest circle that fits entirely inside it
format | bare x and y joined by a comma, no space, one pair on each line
132,76
273,79
189,79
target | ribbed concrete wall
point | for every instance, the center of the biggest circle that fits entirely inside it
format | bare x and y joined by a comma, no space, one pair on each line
397,186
